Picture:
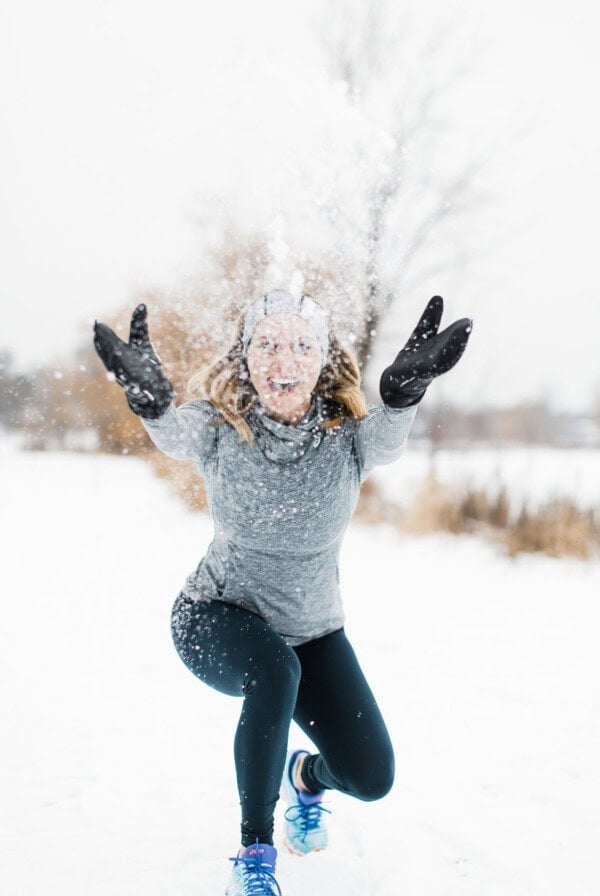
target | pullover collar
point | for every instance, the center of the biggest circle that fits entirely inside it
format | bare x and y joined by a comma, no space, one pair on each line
283,442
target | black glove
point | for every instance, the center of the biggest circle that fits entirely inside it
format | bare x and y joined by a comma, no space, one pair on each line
136,366
426,355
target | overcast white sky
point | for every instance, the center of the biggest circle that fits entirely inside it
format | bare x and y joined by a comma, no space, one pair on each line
117,117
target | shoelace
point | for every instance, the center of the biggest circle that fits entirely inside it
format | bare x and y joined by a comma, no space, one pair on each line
308,816
259,881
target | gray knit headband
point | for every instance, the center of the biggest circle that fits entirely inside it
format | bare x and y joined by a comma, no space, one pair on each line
278,300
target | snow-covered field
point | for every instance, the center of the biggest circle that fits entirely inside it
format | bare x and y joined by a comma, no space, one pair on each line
117,764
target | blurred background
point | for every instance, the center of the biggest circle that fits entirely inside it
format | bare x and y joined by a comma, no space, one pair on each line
193,155
371,154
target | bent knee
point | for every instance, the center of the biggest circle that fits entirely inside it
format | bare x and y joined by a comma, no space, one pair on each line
372,783
375,787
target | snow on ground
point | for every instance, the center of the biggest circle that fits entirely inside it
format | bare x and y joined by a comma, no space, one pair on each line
117,764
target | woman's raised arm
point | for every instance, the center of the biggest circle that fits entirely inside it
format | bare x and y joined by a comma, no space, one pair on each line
185,433
380,438
188,432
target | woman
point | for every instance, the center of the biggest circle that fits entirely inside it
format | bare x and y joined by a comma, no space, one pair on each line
283,442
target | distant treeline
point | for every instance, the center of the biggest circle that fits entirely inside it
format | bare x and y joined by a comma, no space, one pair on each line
76,407
529,422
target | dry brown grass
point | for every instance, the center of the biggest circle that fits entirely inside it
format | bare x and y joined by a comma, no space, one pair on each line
558,528
372,507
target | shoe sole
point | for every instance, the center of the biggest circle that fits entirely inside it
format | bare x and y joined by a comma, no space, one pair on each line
295,852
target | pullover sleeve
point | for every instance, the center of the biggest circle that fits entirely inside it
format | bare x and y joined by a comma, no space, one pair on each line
381,437
188,432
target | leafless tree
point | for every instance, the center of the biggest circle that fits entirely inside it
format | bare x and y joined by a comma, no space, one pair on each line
395,195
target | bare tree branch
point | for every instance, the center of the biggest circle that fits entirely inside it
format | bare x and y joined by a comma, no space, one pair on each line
367,47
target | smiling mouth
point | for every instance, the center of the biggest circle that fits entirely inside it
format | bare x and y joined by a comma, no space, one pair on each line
283,385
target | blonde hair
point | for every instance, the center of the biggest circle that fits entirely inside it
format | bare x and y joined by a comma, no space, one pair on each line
227,385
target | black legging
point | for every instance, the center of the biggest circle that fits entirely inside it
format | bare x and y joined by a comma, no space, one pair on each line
318,684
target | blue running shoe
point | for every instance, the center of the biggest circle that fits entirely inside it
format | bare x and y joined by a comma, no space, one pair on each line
253,873
305,829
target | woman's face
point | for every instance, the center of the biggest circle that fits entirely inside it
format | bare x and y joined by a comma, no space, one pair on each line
284,362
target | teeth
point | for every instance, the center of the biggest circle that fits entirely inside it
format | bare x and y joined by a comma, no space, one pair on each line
283,385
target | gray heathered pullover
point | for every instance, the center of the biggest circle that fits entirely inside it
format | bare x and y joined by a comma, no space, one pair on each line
280,508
